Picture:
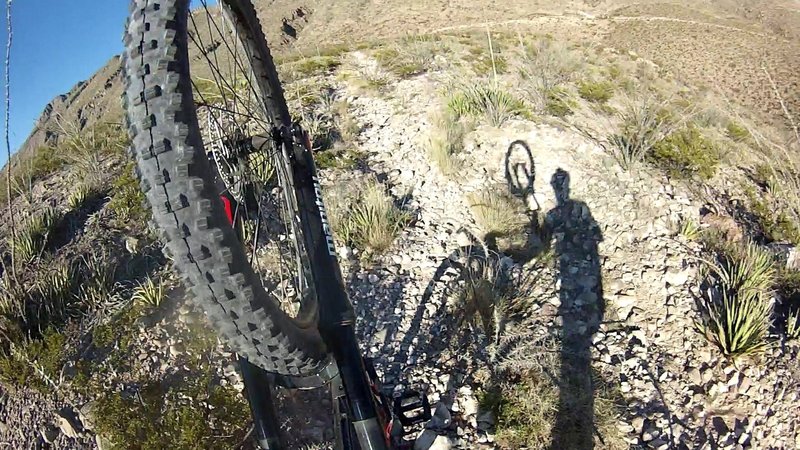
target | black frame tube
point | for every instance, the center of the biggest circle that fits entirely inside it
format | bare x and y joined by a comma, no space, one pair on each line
258,388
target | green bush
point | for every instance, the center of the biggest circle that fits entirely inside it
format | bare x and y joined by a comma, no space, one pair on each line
686,153
737,132
127,200
774,222
46,160
558,103
346,158
596,91
481,61
47,354
315,65
198,413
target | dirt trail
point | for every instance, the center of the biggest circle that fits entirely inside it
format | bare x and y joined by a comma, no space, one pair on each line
581,17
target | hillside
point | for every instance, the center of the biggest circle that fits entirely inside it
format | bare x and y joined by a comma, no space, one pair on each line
586,235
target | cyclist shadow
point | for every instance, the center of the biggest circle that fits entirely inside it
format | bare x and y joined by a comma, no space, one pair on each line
576,235
571,233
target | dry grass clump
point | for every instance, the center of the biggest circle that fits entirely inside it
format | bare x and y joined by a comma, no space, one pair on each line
546,65
497,213
410,55
447,141
366,218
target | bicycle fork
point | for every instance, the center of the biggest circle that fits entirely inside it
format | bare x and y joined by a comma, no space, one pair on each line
336,315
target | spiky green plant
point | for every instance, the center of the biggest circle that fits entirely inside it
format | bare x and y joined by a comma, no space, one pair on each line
793,325
690,229
371,220
736,308
149,293
82,193
32,237
488,101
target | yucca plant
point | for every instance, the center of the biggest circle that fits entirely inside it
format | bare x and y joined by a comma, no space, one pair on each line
31,238
793,325
371,221
149,293
488,101
690,229
82,193
736,307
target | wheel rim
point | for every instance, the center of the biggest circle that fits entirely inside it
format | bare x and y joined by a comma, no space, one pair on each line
231,109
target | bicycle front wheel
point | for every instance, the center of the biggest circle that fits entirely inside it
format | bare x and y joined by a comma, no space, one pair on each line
199,85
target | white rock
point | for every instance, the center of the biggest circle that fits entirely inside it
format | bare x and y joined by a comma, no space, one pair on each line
66,427
676,278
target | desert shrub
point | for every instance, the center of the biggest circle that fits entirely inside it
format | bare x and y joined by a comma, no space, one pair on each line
737,132
315,65
546,65
773,218
596,91
366,78
447,141
399,63
735,305
347,158
685,153
558,103
33,362
127,200
196,412
410,55
485,60
642,123
497,213
487,101
533,410
367,219
481,296
46,160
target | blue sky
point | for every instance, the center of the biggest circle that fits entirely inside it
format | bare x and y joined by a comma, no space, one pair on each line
56,43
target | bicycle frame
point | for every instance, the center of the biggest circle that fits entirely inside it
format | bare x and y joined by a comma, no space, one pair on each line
363,417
